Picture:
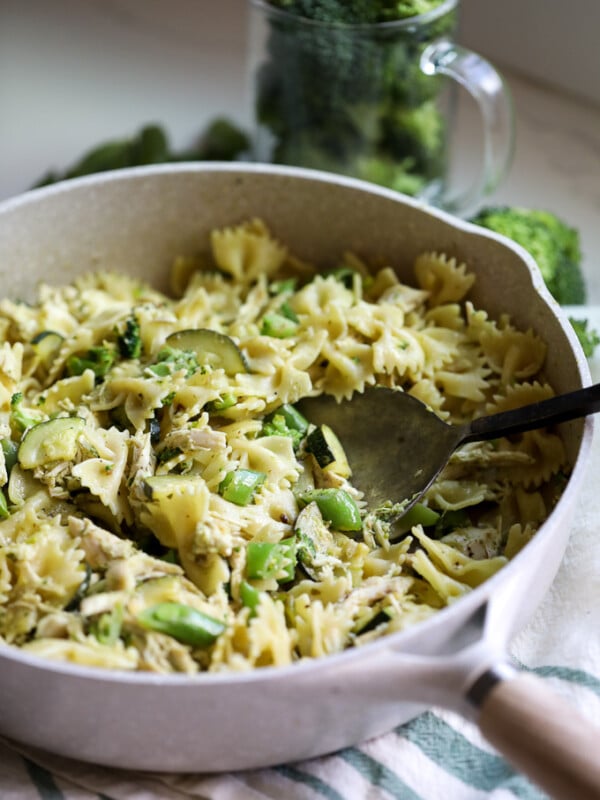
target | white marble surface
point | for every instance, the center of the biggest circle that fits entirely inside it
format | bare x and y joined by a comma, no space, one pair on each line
74,73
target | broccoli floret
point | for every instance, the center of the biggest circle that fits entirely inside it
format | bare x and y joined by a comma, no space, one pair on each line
130,343
99,359
171,359
589,339
221,140
552,243
277,426
20,419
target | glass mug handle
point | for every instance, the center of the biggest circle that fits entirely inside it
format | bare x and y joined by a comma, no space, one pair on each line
489,90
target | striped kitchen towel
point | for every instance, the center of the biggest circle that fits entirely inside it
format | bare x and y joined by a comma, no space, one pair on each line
436,756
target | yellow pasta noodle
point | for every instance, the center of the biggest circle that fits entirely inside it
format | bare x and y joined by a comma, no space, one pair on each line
163,498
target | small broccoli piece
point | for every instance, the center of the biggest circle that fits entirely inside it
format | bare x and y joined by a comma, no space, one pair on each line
552,243
21,419
588,338
222,141
130,343
99,359
277,426
171,359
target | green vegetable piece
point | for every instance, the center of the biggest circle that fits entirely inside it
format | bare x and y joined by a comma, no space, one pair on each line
167,453
314,542
293,418
286,421
239,486
283,286
10,450
211,348
54,440
250,597
223,141
20,419
344,275
328,451
278,326
223,403
130,343
378,617
107,628
588,338
4,512
46,346
553,244
336,506
316,443
266,560
98,359
419,514
173,359
81,590
288,312
149,147
184,623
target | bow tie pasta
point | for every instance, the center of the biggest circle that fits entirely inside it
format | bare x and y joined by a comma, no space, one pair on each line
165,506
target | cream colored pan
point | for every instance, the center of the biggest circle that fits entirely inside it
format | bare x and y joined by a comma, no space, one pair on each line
136,220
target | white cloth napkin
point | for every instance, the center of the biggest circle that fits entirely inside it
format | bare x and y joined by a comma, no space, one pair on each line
437,756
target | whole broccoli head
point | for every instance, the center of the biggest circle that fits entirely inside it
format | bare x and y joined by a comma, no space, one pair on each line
552,243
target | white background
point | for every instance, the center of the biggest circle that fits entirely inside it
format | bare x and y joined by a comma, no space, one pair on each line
77,72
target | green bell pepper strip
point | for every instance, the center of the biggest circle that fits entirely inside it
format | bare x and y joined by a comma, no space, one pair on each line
286,285
336,506
250,597
271,560
10,450
419,514
107,628
240,485
184,623
4,512
278,326
293,418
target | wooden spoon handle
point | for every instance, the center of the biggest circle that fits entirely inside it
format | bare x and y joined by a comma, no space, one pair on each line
543,737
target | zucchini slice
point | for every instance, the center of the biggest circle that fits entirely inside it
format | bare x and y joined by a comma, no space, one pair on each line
54,440
46,346
314,543
328,451
211,348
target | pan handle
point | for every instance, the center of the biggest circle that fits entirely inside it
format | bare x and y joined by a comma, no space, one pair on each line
539,733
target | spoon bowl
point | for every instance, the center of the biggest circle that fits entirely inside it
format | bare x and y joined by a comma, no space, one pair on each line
417,444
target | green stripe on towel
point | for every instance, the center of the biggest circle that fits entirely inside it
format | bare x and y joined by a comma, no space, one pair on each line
475,767
378,774
578,676
43,781
319,786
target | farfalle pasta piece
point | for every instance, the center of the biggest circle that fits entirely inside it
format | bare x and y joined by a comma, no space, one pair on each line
138,513
247,251
513,354
443,278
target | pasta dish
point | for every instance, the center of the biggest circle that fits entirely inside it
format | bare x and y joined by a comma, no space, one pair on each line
165,506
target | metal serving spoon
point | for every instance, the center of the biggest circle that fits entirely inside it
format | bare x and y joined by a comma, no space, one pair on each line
397,447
